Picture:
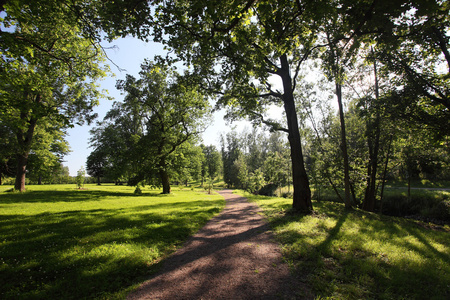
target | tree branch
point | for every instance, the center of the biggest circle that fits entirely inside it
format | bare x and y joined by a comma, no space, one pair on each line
234,22
442,44
275,126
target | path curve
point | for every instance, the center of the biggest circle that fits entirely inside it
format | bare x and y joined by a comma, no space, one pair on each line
233,257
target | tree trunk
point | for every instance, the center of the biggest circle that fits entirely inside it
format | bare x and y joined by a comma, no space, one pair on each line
98,180
409,186
302,192
352,190
24,140
373,141
334,187
347,198
383,182
164,176
165,181
22,160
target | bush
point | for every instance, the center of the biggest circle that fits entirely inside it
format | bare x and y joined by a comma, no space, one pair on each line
138,190
268,190
440,211
255,181
287,195
428,204
80,177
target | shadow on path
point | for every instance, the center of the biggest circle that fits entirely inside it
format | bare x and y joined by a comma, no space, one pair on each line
232,257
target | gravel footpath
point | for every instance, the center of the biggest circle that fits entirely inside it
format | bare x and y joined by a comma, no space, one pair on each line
233,257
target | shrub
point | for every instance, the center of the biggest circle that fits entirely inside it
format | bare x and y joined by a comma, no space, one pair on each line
268,190
80,177
428,204
287,195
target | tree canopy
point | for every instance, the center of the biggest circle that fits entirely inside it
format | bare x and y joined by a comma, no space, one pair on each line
48,73
146,134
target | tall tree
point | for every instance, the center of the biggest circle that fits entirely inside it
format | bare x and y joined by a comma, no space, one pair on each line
212,161
172,112
231,151
115,141
336,64
47,152
47,73
416,57
96,164
373,132
234,47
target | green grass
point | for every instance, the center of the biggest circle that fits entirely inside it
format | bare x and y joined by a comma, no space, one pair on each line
57,242
419,183
361,255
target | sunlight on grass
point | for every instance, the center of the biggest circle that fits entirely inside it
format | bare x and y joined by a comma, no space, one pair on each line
361,255
57,242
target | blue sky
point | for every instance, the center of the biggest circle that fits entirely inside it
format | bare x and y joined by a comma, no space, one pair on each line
129,55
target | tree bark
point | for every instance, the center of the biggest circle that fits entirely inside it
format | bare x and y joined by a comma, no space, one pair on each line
383,182
164,176
24,140
347,198
165,181
22,160
372,169
302,192
373,141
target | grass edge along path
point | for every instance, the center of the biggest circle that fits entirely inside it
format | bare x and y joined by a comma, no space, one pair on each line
361,255
57,242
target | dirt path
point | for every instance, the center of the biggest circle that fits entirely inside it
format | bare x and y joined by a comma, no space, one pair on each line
232,257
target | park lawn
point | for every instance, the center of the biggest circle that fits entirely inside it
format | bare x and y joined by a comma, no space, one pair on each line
360,255
57,242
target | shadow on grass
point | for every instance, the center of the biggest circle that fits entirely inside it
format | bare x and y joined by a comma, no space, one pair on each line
91,253
360,255
68,196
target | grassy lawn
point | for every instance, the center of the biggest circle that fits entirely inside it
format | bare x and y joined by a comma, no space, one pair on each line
361,255
417,183
57,242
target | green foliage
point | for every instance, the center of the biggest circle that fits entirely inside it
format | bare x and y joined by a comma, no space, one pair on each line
210,184
138,190
212,163
255,181
48,73
277,168
361,255
81,174
234,48
416,57
230,152
432,205
252,159
150,134
98,243
241,169
268,190
96,164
